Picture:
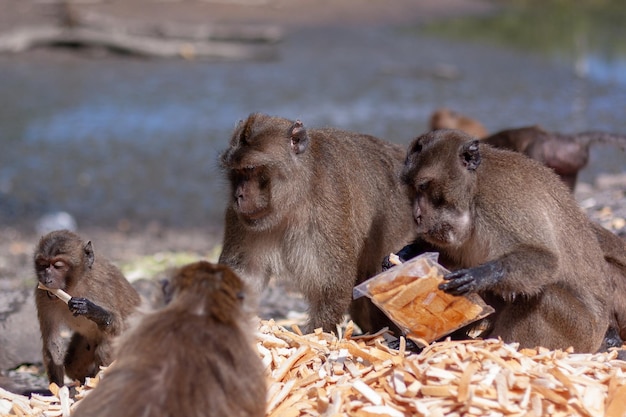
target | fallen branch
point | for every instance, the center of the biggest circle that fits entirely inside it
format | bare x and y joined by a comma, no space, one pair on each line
31,37
176,30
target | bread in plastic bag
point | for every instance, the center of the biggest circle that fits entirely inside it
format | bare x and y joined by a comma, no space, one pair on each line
408,294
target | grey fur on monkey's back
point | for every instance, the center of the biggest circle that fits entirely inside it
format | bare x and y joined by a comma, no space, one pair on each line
333,208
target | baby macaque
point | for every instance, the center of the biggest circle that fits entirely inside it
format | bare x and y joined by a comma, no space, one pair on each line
101,300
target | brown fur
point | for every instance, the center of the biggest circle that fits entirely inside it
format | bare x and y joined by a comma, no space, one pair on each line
444,118
193,358
64,261
510,231
563,153
614,249
319,207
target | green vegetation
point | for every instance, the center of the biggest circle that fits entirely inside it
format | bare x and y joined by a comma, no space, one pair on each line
567,28
153,265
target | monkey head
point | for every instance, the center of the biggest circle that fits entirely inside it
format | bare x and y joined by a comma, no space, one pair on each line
214,288
261,163
444,118
60,257
440,171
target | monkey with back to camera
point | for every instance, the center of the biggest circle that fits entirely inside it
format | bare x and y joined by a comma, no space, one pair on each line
510,231
318,206
193,357
101,300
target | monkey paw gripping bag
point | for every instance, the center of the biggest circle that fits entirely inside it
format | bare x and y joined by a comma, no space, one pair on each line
408,294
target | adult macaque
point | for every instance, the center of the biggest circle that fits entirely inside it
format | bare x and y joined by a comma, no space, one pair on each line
194,357
317,206
101,300
509,230
565,153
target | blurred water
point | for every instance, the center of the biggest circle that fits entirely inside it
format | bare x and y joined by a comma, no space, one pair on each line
112,138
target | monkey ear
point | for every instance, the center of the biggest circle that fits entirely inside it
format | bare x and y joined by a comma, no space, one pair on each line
246,129
299,137
470,155
88,249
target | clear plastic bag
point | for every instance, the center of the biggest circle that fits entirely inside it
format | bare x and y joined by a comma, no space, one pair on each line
409,295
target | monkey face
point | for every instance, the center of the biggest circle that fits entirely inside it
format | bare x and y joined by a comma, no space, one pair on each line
60,256
440,220
52,272
262,165
251,193
442,184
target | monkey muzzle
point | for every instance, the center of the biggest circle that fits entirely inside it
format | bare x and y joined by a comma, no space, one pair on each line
417,214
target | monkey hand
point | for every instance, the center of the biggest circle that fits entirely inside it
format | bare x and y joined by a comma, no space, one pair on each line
79,306
410,251
388,264
85,307
465,281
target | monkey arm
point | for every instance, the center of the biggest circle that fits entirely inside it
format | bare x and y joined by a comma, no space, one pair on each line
85,307
527,271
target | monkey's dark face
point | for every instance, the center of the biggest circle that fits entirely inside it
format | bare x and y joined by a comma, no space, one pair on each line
261,164
59,257
441,188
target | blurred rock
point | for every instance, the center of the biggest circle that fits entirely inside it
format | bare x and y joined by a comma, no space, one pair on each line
20,339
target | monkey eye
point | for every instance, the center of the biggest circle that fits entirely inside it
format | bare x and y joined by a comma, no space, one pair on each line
247,171
59,264
423,185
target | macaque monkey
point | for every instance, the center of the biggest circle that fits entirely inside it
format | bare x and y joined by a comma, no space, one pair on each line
510,231
193,357
445,118
101,299
565,153
321,207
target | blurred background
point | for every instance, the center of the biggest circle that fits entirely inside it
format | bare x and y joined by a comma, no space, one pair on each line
129,142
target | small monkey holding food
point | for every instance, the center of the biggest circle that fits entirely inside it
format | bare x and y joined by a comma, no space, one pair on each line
101,299
509,230
193,357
